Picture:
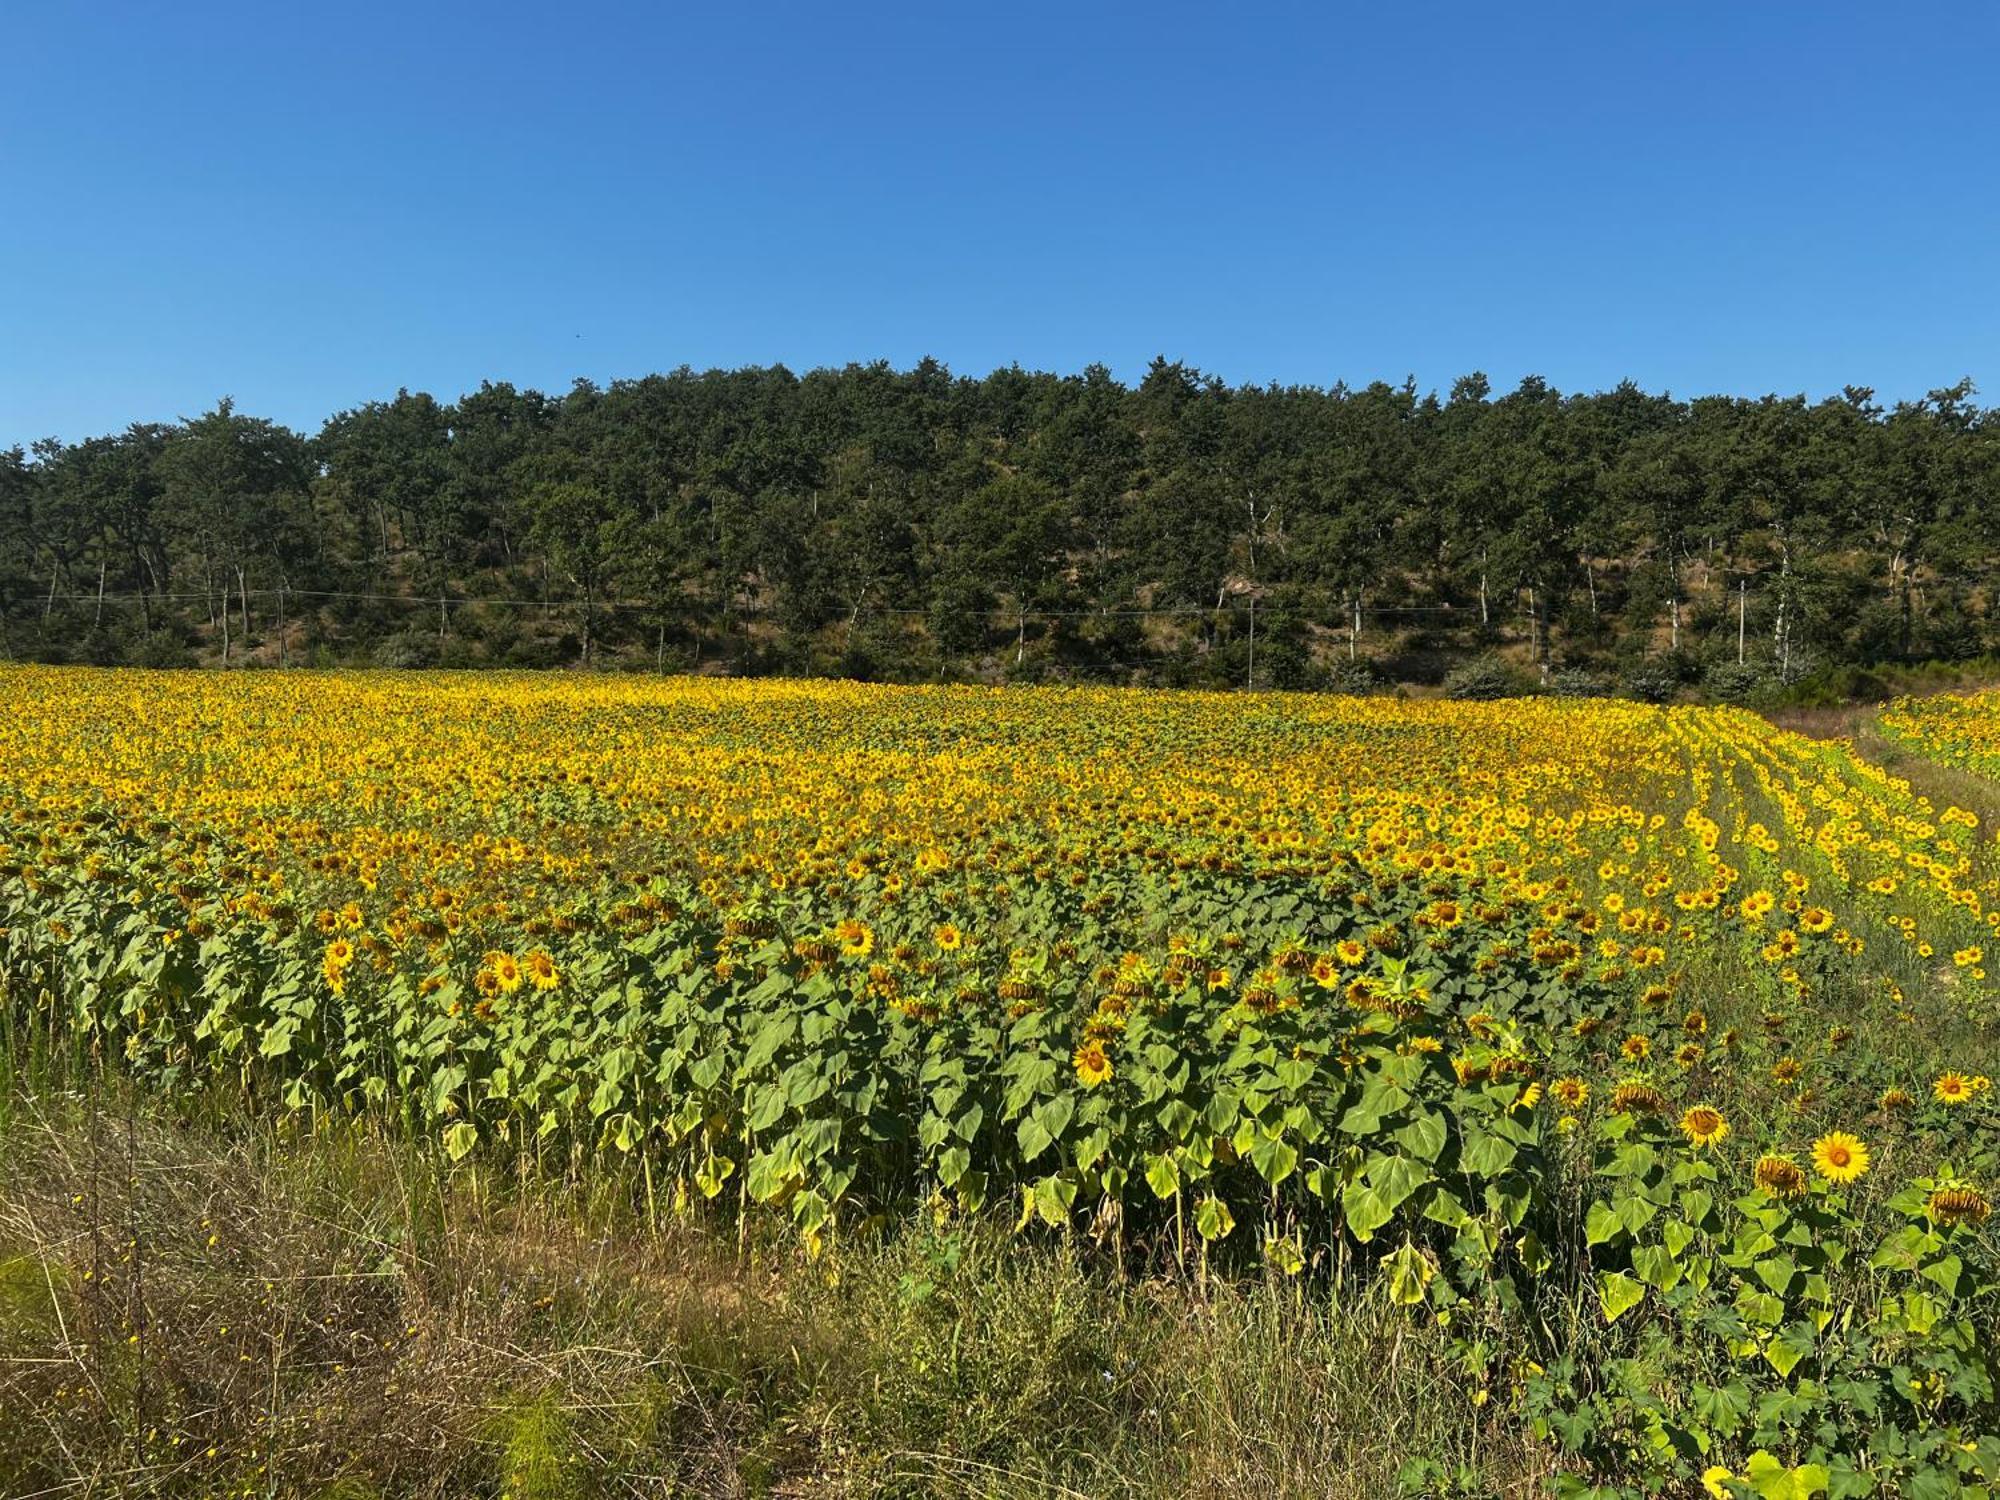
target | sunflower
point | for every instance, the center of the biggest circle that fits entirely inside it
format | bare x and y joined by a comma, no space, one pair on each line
1952,1088
542,970
1839,1157
1093,1066
506,971
1894,1100
948,938
1704,1126
1780,1176
1637,1097
1635,1048
1570,1092
1955,1202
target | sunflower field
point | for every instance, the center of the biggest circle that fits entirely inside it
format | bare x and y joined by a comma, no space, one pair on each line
1959,730
1642,1049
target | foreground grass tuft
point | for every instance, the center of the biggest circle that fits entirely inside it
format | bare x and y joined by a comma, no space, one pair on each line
206,1311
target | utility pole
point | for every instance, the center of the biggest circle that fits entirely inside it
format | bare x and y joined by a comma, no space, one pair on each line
1742,595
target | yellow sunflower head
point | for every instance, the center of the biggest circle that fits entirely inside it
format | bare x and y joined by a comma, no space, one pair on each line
1839,1157
1704,1126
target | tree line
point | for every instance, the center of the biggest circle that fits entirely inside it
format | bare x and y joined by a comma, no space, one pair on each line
912,523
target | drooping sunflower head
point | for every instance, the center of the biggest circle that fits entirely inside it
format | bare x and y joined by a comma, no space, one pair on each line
1956,1202
1780,1176
1637,1097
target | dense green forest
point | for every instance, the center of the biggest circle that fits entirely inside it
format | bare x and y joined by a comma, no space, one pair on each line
905,524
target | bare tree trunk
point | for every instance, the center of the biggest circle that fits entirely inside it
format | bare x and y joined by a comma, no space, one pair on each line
281,622
1674,592
1781,635
225,619
243,598
1250,672
97,621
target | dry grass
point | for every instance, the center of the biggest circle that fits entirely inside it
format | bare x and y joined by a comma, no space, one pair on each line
226,1311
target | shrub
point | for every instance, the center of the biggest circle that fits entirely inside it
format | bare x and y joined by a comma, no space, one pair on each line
1481,679
1734,682
1652,681
1356,678
1575,682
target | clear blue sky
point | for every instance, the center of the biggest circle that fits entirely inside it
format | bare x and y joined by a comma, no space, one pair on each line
309,206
